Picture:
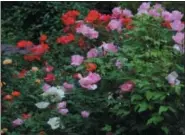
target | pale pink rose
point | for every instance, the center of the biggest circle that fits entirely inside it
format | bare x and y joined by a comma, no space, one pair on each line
178,38
154,13
127,86
127,13
85,114
177,25
89,81
109,47
167,16
61,105
63,111
17,122
115,25
92,53
48,68
116,12
144,7
77,60
68,86
177,15
46,86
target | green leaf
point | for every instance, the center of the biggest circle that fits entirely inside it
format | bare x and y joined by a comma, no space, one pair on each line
143,107
149,95
163,109
135,97
107,128
165,129
155,120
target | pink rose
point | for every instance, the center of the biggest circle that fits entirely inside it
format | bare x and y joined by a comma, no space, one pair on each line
68,86
46,86
49,77
116,12
85,114
167,16
127,13
77,60
92,53
115,25
48,68
154,12
177,15
177,25
17,122
109,47
89,81
61,105
63,111
178,38
127,86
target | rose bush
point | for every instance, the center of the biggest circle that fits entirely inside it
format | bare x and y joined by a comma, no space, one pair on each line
116,74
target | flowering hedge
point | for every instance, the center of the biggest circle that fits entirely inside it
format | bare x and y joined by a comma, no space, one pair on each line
106,74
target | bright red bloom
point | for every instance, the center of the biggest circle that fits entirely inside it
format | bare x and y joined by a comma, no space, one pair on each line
166,24
49,77
126,21
22,73
69,17
40,49
26,116
16,93
81,43
31,57
66,39
105,18
129,27
91,66
24,44
43,38
92,16
8,97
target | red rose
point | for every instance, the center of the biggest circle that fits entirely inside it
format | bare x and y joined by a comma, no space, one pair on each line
49,77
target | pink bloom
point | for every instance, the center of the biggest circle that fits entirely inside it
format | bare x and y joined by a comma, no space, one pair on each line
109,47
115,25
87,31
77,60
154,12
49,68
158,6
167,16
127,86
118,64
177,15
63,111
49,77
89,81
61,105
145,6
68,86
178,38
92,53
127,13
46,86
17,122
177,25
116,12
85,114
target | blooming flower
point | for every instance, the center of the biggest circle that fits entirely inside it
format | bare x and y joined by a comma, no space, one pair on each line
179,48
67,86
42,105
177,25
127,86
77,60
7,61
57,93
54,122
167,16
109,47
87,31
49,77
69,17
8,97
63,111
127,13
26,116
116,12
115,25
43,38
46,86
34,69
16,93
91,66
61,105
144,8
172,78
24,44
66,39
92,53
154,12
118,64
177,15
48,68
105,18
178,38
92,16
85,114
17,122
89,81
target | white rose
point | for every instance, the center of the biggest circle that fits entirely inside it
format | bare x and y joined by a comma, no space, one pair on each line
54,122
42,105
